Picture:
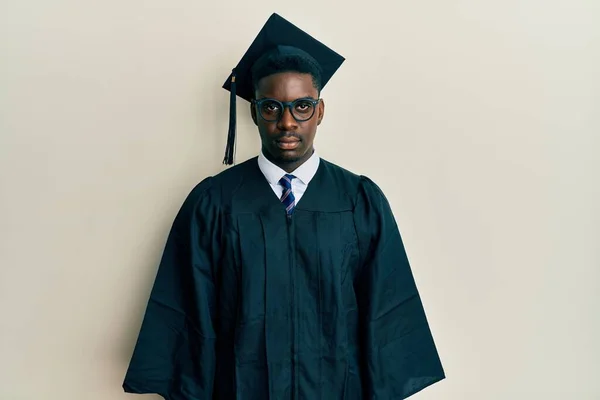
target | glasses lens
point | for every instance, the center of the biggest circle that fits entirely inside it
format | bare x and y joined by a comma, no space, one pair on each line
303,110
270,110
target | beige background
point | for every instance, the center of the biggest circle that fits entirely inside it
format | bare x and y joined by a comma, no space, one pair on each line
479,119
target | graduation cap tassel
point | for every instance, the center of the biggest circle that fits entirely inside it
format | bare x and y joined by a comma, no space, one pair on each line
230,148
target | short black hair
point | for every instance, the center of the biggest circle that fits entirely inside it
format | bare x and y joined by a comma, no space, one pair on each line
274,62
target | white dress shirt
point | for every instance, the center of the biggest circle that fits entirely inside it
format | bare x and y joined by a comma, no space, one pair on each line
303,174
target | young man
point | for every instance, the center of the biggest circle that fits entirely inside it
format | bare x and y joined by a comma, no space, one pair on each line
284,277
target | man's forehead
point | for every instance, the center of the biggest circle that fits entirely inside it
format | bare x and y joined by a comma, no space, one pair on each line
288,78
290,85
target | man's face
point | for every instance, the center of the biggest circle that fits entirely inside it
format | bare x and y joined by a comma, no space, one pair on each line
287,141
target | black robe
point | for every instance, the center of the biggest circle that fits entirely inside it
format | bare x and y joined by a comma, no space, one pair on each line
249,304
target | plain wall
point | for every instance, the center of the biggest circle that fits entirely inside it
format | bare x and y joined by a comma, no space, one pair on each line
479,120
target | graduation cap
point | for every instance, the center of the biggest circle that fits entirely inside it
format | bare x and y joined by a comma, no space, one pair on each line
285,38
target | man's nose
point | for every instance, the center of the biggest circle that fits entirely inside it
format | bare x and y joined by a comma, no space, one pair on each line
287,121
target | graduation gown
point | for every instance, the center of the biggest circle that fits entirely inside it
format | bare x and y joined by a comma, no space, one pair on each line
249,304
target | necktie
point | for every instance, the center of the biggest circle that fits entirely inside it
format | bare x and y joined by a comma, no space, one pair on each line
287,197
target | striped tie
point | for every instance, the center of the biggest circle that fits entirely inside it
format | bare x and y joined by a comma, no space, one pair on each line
287,197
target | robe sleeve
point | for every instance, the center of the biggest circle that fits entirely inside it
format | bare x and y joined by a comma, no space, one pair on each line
399,356
175,351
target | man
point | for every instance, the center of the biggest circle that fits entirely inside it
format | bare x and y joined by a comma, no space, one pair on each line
284,277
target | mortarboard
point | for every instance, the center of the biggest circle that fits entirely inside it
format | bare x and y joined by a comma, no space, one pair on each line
281,35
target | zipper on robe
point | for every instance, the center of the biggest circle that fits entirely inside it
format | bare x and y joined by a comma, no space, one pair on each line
294,305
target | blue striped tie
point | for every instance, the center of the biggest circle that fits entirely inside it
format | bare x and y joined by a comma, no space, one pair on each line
287,197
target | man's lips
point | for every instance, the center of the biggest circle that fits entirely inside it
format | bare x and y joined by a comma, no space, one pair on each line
287,140
287,143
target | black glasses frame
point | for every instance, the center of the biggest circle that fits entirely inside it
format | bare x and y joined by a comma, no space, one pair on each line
283,105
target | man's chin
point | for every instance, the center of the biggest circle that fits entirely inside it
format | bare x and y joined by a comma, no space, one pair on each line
289,158
286,157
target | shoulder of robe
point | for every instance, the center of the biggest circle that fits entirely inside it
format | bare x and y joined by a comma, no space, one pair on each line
370,188
371,199
344,180
357,186
202,198
210,192
229,180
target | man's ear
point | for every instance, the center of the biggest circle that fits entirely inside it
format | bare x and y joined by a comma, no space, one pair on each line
253,113
320,111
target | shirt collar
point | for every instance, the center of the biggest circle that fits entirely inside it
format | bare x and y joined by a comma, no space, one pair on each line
304,173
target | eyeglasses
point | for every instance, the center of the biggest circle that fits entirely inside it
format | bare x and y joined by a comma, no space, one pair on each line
272,110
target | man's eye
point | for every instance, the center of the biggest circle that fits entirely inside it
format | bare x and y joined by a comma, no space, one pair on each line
304,106
271,107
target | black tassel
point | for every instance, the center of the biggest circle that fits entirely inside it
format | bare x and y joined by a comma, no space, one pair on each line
230,148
